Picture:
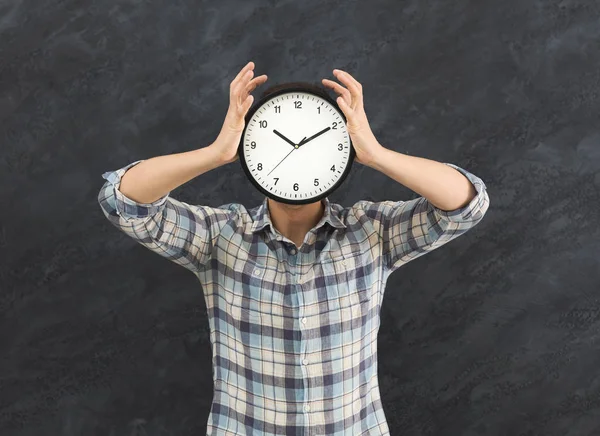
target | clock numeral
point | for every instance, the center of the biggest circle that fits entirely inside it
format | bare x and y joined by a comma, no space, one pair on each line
298,104
259,166
334,125
316,182
253,144
277,109
332,168
340,147
276,179
319,109
263,124
295,187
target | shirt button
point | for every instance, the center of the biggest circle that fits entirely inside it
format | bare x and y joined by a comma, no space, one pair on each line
256,272
306,408
344,262
293,251
305,361
303,320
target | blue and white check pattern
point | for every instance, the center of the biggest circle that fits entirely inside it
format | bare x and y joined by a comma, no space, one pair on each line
293,331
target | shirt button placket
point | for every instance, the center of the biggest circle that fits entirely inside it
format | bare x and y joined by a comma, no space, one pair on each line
306,407
303,321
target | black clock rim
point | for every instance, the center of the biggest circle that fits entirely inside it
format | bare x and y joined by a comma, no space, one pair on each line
244,164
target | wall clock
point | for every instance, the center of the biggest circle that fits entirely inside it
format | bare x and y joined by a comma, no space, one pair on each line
295,147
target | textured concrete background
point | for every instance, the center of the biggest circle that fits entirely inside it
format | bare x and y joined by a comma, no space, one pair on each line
497,333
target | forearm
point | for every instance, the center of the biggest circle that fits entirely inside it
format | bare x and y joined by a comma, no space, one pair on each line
153,178
443,186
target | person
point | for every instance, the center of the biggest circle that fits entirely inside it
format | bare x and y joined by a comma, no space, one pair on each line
293,292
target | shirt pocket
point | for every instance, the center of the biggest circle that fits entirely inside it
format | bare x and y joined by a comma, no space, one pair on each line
347,277
257,296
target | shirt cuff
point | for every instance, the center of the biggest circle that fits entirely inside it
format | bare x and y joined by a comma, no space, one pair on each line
125,206
476,207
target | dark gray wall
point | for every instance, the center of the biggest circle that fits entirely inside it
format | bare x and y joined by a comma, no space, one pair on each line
497,333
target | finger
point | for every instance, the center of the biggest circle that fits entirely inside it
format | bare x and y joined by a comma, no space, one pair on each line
354,87
248,103
243,71
251,86
349,77
238,89
246,71
356,92
339,89
242,108
342,104
254,83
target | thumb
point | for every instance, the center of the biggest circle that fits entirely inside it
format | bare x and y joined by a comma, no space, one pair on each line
343,106
249,102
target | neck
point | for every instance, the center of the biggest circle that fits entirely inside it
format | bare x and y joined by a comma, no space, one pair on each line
295,221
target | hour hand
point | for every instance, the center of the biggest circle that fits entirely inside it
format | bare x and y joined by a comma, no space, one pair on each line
304,141
284,138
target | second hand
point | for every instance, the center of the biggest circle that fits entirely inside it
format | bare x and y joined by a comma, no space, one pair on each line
293,149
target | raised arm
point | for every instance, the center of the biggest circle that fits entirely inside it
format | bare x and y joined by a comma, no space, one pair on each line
410,229
135,199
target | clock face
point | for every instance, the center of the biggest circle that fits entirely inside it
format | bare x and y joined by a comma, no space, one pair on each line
295,147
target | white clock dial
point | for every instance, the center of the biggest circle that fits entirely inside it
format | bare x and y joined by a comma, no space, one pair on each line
291,172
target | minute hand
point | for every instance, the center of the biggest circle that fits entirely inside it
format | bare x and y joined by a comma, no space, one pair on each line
304,141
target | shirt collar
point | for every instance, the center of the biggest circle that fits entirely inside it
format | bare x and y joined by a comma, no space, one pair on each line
263,217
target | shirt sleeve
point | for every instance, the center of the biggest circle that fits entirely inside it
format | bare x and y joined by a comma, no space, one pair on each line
410,229
180,232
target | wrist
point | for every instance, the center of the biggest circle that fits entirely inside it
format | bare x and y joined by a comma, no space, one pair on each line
379,155
219,155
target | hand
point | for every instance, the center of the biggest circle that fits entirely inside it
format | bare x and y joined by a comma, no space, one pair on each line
350,101
240,100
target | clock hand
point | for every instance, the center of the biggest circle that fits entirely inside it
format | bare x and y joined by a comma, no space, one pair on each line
281,161
285,157
304,141
284,138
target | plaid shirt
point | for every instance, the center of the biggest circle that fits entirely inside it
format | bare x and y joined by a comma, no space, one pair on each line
293,331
